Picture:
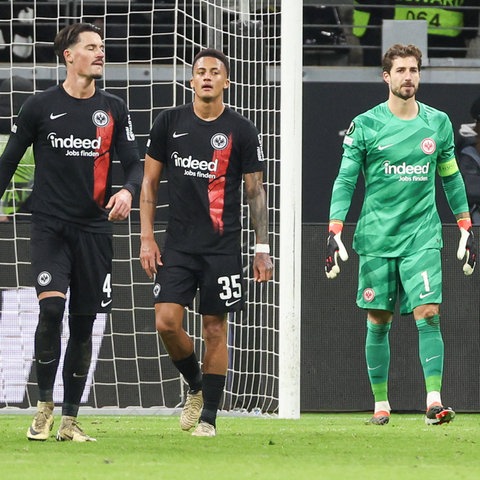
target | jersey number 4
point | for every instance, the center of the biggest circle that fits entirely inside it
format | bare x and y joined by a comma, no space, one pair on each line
107,285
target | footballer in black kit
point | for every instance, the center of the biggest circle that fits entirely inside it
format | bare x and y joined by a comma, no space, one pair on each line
75,129
205,162
206,151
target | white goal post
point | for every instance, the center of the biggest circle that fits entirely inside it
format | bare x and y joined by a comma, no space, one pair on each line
149,51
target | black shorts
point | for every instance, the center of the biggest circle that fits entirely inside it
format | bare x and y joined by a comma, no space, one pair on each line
64,256
219,279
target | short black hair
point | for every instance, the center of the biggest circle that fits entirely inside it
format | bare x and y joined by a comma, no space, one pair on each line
212,52
68,36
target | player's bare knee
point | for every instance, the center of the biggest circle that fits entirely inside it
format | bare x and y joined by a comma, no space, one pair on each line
169,318
430,314
379,317
426,311
214,329
167,326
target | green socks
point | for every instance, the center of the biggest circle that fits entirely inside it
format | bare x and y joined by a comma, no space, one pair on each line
431,351
377,354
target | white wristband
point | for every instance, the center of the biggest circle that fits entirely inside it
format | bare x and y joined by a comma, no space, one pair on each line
262,248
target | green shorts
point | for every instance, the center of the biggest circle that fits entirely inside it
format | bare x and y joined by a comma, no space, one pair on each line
416,280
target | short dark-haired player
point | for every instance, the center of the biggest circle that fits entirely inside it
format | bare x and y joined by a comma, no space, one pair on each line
206,149
400,146
75,128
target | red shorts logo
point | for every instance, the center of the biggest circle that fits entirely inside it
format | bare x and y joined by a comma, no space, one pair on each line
368,294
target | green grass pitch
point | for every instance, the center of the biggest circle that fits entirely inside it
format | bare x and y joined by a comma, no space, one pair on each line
317,446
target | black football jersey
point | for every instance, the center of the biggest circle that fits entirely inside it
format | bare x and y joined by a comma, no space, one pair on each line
73,143
205,162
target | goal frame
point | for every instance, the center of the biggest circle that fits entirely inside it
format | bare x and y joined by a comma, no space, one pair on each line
287,243
290,209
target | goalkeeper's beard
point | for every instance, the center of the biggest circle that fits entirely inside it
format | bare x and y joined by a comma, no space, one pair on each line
398,92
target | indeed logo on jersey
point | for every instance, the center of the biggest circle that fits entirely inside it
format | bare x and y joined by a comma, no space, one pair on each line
194,167
408,173
78,147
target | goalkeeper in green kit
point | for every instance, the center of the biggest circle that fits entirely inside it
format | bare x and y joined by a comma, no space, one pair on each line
399,146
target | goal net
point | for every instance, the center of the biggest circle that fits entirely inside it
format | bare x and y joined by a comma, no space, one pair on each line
149,52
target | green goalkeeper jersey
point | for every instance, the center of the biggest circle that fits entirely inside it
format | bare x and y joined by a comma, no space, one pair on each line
399,160
21,185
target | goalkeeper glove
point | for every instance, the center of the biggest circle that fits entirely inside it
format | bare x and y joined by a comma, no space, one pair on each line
335,249
466,247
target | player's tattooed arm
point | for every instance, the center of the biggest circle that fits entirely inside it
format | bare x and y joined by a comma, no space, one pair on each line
257,202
